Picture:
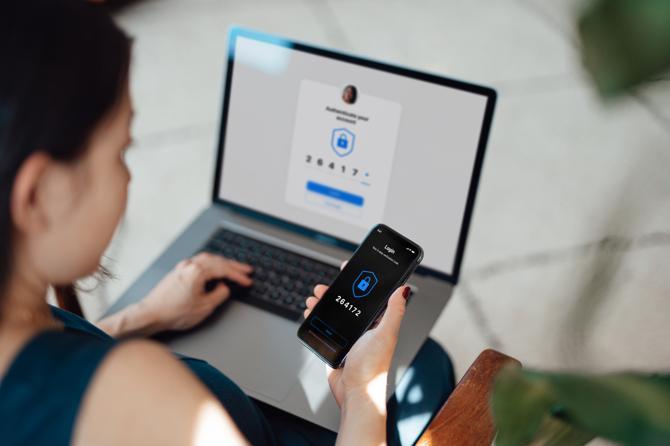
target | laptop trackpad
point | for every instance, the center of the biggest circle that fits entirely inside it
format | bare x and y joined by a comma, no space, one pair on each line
260,352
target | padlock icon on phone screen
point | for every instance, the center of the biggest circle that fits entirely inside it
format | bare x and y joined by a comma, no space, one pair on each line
364,283
342,141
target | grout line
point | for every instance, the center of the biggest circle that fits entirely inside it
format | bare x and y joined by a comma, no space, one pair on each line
473,305
538,85
332,27
608,243
658,115
190,132
573,40
549,20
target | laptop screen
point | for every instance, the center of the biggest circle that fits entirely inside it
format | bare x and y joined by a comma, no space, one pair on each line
337,144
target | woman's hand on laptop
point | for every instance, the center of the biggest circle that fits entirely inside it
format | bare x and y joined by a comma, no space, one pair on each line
180,301
360,386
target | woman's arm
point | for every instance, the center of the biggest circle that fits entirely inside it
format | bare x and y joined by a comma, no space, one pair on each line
360,386
179,301
135,320
362,422
141,395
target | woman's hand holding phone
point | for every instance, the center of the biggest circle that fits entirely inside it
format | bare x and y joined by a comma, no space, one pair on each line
369,360
359,386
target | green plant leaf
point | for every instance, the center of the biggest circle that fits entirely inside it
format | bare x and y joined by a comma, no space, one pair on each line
625,42
566,409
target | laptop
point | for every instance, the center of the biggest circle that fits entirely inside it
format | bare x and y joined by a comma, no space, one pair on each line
315,148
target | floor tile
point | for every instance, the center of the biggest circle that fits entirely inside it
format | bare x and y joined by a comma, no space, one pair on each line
562,168
482,41
601,310
460,333
179,53
561,15
655,96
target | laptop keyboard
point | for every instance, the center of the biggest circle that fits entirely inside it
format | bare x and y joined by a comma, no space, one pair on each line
282,279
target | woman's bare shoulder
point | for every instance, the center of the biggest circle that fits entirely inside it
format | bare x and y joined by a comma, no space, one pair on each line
141,394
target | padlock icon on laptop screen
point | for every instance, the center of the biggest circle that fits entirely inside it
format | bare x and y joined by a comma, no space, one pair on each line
342,141
364,283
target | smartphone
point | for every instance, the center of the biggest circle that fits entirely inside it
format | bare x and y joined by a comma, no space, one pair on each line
358,295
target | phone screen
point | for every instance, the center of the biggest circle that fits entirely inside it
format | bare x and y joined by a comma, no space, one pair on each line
358,295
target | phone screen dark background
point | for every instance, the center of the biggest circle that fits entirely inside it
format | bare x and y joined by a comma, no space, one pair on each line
359,292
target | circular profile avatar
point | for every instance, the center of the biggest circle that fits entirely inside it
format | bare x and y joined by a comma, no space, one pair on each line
349,94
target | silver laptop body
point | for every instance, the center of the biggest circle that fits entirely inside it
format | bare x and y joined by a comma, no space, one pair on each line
255,348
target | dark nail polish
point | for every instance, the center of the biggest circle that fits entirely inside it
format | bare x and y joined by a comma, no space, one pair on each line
405,292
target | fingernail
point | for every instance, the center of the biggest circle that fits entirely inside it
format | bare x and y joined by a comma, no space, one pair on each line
405,292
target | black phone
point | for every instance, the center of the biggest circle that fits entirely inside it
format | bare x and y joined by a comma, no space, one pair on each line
358,295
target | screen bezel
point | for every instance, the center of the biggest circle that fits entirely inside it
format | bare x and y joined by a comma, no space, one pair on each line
323,237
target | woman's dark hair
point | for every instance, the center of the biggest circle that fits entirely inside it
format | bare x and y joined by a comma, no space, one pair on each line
63,67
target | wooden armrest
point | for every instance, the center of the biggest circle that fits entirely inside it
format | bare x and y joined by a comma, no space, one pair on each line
465,418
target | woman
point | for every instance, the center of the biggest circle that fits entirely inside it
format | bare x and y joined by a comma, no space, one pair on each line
65,112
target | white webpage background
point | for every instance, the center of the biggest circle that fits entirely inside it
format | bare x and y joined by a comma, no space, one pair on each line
372,154
434,157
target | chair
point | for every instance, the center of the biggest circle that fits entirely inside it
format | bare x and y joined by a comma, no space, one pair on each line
465,418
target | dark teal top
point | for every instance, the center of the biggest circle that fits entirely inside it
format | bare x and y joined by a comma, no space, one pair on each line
44,386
